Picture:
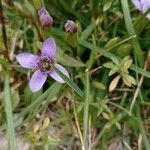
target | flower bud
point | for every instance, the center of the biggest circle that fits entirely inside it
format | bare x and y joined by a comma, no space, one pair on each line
45,19
70,27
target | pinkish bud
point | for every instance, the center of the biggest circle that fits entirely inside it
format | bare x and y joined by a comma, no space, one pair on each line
70,27
45,19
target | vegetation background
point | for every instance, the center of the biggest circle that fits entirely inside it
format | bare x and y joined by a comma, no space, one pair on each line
105,105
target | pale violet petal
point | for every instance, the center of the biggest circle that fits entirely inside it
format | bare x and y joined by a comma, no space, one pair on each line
49,48
145,5
55,76
137,4
27,60
37,80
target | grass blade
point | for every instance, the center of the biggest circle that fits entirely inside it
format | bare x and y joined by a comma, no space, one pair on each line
137,49
86,111
70,83
9,113
49,93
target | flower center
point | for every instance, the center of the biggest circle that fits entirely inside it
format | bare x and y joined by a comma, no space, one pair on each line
45,65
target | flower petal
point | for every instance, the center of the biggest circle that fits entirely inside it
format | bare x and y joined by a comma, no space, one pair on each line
37,80
27,60
55,76
49,48
137,3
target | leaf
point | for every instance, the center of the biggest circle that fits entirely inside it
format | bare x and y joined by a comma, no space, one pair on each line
123,50
113,71
68,60
128,80
111,42
131,80
109,65
128,63
87,32
29,97
70,83
30,8
116,61
19,7
98,85
106,116
138,54
107,5
15,98
9,113
50,92
114,83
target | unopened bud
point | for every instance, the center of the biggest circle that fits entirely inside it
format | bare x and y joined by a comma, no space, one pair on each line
45,19
70,27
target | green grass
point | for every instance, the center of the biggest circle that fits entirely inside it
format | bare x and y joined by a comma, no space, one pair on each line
9,114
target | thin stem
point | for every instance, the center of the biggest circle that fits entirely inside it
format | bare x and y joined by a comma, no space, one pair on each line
77,124
138,89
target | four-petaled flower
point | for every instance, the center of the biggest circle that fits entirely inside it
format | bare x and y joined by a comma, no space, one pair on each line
42,64
143,6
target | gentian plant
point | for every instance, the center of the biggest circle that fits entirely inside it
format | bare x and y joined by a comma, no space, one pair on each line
43,65
143,6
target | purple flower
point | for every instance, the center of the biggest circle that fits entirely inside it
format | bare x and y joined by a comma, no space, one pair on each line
42,64
142,5
70,26
45,19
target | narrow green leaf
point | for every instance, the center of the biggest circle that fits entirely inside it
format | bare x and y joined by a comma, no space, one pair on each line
50,92
87,32
111,42
107,5
68,60
9,113
70,83
137,49
109,65
86,110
